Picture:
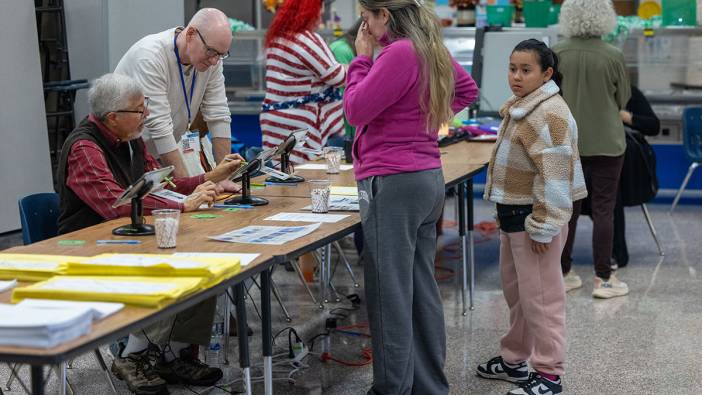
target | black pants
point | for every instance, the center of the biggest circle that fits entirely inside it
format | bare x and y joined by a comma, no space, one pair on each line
602,180
619,250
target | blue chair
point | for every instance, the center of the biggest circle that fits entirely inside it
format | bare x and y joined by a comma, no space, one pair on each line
692,145
39,215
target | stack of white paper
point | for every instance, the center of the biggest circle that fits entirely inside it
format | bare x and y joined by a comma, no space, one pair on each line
5,285
23,326
99,310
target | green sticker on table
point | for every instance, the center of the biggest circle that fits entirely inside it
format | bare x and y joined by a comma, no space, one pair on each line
71,242
231,210
205,216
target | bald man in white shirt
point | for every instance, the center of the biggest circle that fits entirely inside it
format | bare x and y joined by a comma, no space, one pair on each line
180,70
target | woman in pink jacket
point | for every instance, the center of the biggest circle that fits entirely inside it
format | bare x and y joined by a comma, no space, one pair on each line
397,102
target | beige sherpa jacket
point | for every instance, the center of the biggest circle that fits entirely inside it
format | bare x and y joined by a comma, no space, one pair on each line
536,161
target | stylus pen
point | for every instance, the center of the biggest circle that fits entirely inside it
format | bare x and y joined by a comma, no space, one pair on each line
118,242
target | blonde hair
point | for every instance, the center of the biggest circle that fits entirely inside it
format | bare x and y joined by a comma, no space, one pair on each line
587,18
414,20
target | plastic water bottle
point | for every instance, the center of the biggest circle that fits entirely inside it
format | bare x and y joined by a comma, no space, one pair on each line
215,351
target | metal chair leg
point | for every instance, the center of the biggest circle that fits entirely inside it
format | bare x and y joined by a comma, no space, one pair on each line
296,266
690,170
62,374
652,228
103,366
14,374
343,258
276,294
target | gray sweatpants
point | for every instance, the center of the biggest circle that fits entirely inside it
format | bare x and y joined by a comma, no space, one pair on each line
399,214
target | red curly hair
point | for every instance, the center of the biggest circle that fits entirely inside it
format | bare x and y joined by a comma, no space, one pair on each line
294,16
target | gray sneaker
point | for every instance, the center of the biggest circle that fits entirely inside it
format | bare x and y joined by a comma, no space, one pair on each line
137,371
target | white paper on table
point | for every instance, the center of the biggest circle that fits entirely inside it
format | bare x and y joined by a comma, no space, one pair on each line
16,316
7,285
272,235
340,203
27,264
42,328
100,309
141,261
307,217
244,259
321,166
108,286
344,191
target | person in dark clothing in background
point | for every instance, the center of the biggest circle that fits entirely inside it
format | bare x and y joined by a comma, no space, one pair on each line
639,117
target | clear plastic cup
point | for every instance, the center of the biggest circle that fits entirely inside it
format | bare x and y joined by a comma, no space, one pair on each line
320,193
166,223
333,157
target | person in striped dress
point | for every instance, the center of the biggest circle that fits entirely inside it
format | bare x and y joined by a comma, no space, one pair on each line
302,81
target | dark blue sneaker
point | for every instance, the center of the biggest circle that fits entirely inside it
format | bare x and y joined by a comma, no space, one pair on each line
497,369
538,385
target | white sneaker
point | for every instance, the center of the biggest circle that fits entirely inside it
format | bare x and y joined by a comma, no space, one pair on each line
609,289
572,281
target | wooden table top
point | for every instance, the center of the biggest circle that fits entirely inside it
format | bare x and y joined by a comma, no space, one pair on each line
192,237
459,161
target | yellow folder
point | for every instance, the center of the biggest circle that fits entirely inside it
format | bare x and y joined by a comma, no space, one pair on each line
139,291
31,267
212,270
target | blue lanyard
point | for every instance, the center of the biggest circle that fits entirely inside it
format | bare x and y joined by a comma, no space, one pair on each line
188,100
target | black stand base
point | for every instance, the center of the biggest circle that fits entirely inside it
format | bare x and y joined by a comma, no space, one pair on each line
250,200
291,180
134,230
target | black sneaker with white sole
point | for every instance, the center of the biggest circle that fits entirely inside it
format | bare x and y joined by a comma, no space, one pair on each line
497,369
538,385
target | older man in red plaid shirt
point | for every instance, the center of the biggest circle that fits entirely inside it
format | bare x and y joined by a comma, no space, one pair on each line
102,157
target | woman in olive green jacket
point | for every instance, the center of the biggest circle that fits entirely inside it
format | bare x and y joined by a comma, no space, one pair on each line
596,87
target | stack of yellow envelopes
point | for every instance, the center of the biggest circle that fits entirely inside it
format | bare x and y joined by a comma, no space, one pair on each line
141,291
211,270
32,267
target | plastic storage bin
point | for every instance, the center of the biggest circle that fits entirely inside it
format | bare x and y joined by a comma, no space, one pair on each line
500,15
537,12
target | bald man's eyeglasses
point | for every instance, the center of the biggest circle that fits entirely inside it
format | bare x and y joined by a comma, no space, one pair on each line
211,52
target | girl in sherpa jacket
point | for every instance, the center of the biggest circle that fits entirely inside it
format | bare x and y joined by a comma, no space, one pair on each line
534,177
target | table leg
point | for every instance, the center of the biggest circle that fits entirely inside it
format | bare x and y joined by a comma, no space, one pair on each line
37,372
62,375
462,234
243,336
471,248
227,323
267,334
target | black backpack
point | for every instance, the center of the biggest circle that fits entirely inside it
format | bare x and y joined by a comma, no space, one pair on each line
639,182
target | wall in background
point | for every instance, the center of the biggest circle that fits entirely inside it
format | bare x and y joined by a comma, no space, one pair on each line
101,31
24,151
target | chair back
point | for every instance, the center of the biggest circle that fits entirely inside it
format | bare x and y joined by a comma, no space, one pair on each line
692,133
39,216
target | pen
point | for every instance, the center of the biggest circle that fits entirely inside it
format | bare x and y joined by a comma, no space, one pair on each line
169,180
118,242
232,205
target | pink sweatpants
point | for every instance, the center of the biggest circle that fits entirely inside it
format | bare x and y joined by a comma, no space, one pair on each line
534,290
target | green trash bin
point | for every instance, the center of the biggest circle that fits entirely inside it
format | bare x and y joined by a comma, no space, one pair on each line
537,12
554,13
679,12
500,15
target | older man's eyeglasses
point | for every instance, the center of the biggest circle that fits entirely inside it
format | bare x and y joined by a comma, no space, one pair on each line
141,112
211,52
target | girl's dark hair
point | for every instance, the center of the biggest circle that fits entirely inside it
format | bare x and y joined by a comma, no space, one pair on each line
547,58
